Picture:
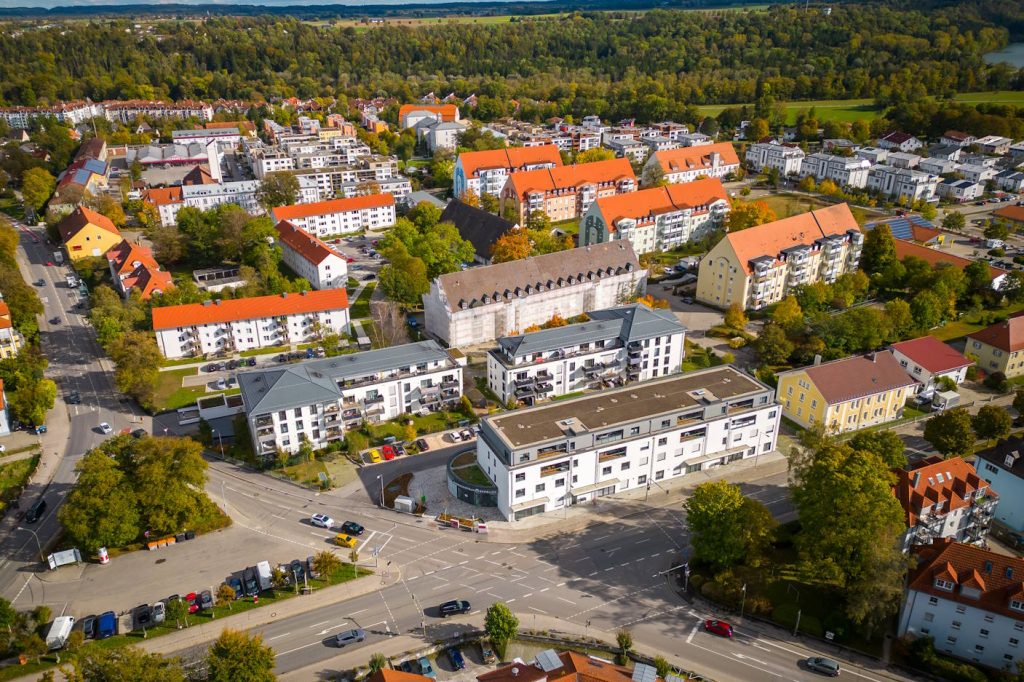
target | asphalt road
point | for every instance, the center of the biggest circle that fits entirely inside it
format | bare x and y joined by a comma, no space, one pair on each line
75,365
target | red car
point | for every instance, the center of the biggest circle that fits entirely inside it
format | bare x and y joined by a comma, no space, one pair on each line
350,259
718,627
388,452
49,262
190,599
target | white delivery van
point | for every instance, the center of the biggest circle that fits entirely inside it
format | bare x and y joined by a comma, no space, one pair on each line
263,569
59,632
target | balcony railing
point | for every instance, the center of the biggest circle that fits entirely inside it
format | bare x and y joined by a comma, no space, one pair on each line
372,400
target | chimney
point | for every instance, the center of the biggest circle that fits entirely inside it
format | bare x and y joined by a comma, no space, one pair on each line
216,301
817,360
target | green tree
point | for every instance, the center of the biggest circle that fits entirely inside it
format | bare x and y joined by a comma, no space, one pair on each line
951,432
996,230
280,188
138,360
225,596
377,663
954,221
100,509
36,187
887,445
94,664
758,129
744,214
240,657
538,221
513,245
735,317
501,626
31,645
850,527
788,314
992,422
326,563
926,309
879,251
772,345
1018,401
899,319
726,528
595,154
177,610
168,476
404,279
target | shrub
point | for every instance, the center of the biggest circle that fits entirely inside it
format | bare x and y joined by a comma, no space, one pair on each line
737,342
997,382
972,373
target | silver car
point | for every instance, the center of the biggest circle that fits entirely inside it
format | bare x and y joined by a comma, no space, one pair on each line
350,636
823,665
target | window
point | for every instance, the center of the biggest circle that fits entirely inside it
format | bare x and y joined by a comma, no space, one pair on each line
634,431
984,632
979,648
662,441
1016,605
951,639
946,585
521,492
955,625
659,475
606,471
929,617
990,618
1014,641
624,466
961,609
560,483
539,488
520,477
641,480
1018,626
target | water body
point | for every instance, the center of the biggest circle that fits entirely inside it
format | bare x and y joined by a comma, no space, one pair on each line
1012,54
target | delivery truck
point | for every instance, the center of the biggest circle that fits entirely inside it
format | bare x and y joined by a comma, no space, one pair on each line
59,631
263,569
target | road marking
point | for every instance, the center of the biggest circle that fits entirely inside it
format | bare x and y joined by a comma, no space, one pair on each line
601,538
640,542
534,608
356,613
559,584
510,600
496,553
463,563
692,633
545,589
271,639
744,657
316,625
291,651
594,573
611,568
567,601
528,594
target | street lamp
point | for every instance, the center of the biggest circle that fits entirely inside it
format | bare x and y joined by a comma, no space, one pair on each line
38,545
380,477
220,441
743,601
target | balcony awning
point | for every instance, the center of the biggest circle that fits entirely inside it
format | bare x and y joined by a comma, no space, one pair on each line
536,502
583,490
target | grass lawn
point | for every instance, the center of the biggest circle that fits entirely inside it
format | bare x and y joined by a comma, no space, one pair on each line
466,468
170,394
12,207
361,308
305,472
968,324
430,423
13,476
262,351
567,396
567,226
994,97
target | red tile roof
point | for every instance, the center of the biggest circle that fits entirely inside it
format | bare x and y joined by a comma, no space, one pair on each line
857,377
389,675
333,206
137,269
999,578
906,248
162,196
771,239
575,668
78,219
511,158
696,158
656,200
566,177
933,481
233,310
897,137
199,175
1007,336
303,243
449,112
1015,213
5,316
932,354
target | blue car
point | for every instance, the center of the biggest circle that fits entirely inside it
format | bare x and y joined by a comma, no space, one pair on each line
107,626
455,656
236,585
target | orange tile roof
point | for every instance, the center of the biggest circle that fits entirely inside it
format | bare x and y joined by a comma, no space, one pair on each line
136,268
5,316
1015,213
857,377
257,307
695,158
448,112
656,200
333,206
936,480
511,158
389,675
1007,336
566,177
575,668
200,175
932,354
771,238
162,196
303,243
81,217
1,394
906,248
999,578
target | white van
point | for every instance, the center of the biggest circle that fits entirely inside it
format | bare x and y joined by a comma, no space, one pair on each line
59,632
264,573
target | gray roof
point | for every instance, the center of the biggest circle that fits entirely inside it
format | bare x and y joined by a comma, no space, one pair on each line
479,227
483,285
415,198
629,323
316,381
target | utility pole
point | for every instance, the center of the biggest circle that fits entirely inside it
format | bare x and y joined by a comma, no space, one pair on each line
743,601
797,626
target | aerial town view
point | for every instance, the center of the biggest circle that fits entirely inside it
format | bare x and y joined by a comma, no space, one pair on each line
511,340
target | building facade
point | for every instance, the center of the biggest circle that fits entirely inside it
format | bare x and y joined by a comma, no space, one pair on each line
848,394
11,342
927,360
999,347
615,346
234,325
1003,465
86,234
658,218
133,268
845,171
687,164
340,216
784,158
569,452
486,172
565,192
902,183
762,265
479,305
310,258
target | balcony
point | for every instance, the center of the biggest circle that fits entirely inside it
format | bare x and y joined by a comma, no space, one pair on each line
450,384
523,383
350,414
552,451
265,431
544,375
635,361
373,400
544,388
332,409
265,420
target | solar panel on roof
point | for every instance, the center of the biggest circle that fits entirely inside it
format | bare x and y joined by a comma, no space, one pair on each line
548,660
644,673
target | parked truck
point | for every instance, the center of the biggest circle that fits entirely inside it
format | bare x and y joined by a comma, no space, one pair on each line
58,257
59,631
263,569
944,400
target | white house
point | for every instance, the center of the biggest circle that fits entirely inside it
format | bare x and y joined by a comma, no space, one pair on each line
845,171
955,138
900,142
686,164
340,216
959,190
783,157
973,172
1010,180
994,144
320,400
311,258
927,359
479,305
893,182
572,451
234,325
615,346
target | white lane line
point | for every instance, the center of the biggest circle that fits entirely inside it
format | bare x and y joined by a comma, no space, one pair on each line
534,608
611,568
528,594
463,563
511,600
602,537
496,553
559,584
271,639
545,589
356,613
291,651
567,601
594,573
692,633
316,625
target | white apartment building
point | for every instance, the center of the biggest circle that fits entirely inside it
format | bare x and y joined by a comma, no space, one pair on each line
911,185
959,190
234,325
969,600
873,154
784,158
340,216
486,172
310,258
845,171
479,305
241,192
686,164
573,451
320,400
628,148
657,218
71,113
615,346
398,187
973,172
227,137
994,144
937,166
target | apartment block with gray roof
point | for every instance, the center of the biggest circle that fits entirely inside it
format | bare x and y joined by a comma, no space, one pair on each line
572,451
320,400
616,346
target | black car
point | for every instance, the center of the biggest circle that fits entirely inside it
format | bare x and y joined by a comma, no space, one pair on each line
250,580
143,616
236,585
311,569
251,362
371,276
74,398
352,528
205,600
139,433
454,608
455,656
298,570
212,367
399,449
55,321
232,364
40,282
88,627
422,445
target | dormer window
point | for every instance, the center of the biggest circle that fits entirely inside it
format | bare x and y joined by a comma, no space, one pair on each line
1017,605
946,585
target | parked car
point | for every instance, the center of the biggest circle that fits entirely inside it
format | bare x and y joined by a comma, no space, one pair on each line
106,625
221,384
142,616
311,568
251,582
718,627
212,367
422,445
455,656
89,626
375,456
350,636
321,520
487,652
389,452
191,600
467,434
251,362
343,540
105,428
159,612
424,668
399,449
40,282
453,608
205,600
408,667
232,364
352,528
236,585
297,570
455,437
74,398
823,665
139,433
369,277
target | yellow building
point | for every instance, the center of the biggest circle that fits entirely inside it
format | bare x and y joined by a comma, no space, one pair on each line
999,347
86,233
10,340
848,394
761,265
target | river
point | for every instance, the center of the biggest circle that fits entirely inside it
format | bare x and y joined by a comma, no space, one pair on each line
1011,54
